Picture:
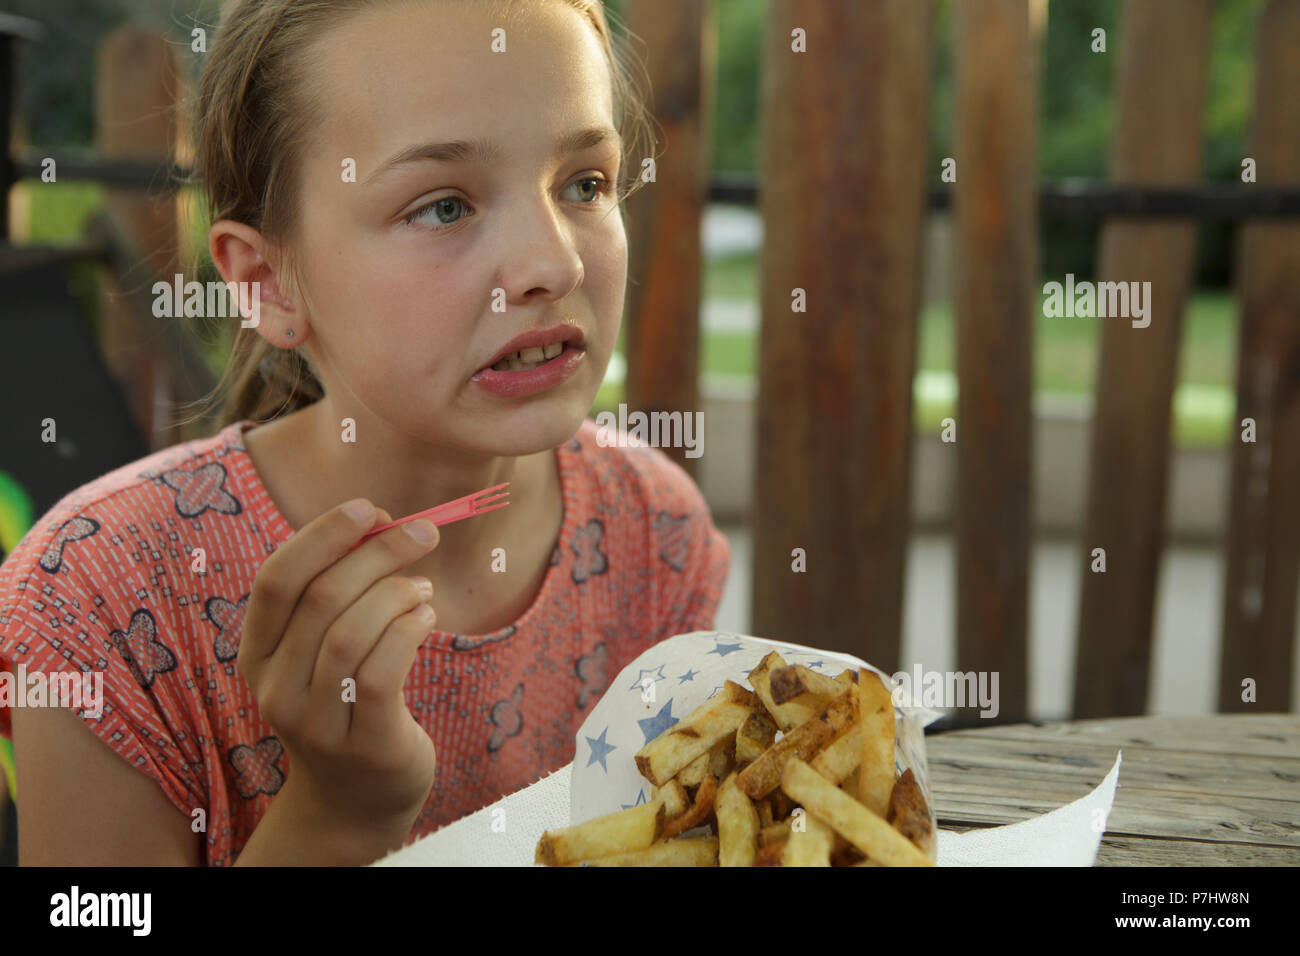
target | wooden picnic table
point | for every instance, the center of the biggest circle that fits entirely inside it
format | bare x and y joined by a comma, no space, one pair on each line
1219,790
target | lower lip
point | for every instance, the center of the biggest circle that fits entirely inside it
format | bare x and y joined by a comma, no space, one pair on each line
540,379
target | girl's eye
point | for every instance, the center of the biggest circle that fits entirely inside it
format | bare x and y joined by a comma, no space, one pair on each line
444,212
448,210
598,188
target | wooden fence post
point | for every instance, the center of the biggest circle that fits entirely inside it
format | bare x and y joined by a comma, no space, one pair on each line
996,235
846,90
1263,549
1163,58
136,84
663,296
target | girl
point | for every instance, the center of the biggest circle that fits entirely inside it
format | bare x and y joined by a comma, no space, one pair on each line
427,192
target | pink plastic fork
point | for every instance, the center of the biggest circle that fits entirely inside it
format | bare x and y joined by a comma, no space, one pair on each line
480,502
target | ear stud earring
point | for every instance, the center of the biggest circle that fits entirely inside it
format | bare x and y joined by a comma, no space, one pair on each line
289,333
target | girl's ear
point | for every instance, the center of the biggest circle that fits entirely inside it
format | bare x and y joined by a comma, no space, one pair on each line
240,254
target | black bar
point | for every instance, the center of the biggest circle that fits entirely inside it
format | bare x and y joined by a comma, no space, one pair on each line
1087,199
1102,904
123,173
1080,199
1093,200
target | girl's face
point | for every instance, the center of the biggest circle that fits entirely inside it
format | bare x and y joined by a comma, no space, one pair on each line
416,275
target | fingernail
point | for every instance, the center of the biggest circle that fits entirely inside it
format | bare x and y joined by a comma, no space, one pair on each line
425,585
359,509
423,531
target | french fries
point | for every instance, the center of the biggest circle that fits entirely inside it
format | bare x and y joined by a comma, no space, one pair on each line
908,813
686,740
692,775
760,678
774,833
632,829
702,807
737,826
876,776
764,775
674,797
855,822
755,735
810,844
794,681
840,759
725,791
689,851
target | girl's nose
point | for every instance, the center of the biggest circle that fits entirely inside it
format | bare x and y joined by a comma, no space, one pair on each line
540,258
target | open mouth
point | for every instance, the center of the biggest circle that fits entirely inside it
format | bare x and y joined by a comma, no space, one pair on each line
535,348
529,358
534,362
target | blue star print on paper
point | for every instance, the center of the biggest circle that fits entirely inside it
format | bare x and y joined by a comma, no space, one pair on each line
689,675
722,650
816,663
640,799
652,727
656,674
600,750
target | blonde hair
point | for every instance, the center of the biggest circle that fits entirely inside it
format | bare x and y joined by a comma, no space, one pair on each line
253,118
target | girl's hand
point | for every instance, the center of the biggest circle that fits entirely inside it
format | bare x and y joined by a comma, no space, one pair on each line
317,617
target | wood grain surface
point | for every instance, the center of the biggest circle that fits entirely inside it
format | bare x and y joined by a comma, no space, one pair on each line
1220,790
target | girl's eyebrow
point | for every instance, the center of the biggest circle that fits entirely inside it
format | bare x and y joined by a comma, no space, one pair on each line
483,151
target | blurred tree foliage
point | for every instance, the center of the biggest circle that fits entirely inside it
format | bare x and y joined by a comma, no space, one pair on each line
56,102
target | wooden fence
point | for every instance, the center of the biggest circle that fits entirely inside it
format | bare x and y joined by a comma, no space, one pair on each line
845,176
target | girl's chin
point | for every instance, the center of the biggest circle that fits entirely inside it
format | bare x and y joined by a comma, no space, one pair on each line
527,429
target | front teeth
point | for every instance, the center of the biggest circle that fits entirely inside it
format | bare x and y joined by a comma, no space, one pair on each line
528,358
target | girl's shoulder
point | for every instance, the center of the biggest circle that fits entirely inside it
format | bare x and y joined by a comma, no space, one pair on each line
130,590
137,521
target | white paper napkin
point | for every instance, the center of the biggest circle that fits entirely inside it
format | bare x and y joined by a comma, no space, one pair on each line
666,683
1067,836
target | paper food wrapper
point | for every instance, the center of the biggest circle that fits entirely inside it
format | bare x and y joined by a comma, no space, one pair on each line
672,679
684,672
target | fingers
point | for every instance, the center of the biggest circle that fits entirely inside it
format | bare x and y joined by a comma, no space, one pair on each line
284,576
333,591
352,637
380,707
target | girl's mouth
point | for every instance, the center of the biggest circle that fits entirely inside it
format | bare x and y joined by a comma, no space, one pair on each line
531,370
530,358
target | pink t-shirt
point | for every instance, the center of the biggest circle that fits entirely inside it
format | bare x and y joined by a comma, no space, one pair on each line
103,582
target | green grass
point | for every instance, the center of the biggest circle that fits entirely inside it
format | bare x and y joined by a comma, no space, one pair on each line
57,211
